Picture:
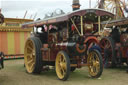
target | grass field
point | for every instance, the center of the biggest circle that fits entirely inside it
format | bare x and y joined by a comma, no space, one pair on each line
14,73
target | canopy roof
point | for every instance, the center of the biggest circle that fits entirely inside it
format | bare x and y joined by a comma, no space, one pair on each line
105,15
119,22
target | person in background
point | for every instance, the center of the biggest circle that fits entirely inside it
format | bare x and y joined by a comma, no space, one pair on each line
115,34
1,17
1,60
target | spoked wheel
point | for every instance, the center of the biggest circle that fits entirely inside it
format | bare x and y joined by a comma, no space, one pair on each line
108,52
33,55
62,65
95,64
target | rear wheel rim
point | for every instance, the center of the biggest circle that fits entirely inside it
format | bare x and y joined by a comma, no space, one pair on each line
29,56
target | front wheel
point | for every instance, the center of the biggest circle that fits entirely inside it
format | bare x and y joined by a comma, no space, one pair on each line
95,63
62,65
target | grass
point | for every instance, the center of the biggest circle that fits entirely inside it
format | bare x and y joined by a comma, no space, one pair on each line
14,73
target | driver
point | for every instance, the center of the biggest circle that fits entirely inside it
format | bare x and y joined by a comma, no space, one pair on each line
43,35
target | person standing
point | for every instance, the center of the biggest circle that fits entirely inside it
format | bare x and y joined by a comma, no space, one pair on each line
1,60
1,17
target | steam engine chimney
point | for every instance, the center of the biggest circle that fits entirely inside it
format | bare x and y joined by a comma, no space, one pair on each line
75,5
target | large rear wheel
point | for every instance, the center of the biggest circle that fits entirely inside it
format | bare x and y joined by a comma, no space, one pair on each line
62,65
108,52
95,63
33,55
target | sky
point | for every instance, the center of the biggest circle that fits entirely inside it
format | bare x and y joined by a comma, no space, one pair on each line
17,8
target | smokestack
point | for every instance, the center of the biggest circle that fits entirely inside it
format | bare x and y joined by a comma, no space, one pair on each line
75,5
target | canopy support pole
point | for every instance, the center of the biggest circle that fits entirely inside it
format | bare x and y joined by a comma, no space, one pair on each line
99,27
81,25
75,27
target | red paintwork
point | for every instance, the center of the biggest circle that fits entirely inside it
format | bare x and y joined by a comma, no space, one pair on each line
91,39
124,51
124,45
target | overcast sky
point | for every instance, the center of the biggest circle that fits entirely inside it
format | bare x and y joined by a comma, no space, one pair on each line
17,8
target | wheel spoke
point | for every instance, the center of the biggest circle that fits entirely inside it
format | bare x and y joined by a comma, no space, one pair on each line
32,66
27,55
103,42
29,51
109,46
30,48
30,56
97,67
30,45
63,72
64,65
94,69
63,60
97,62
33,52
91,69
30,61
60,58
102,46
